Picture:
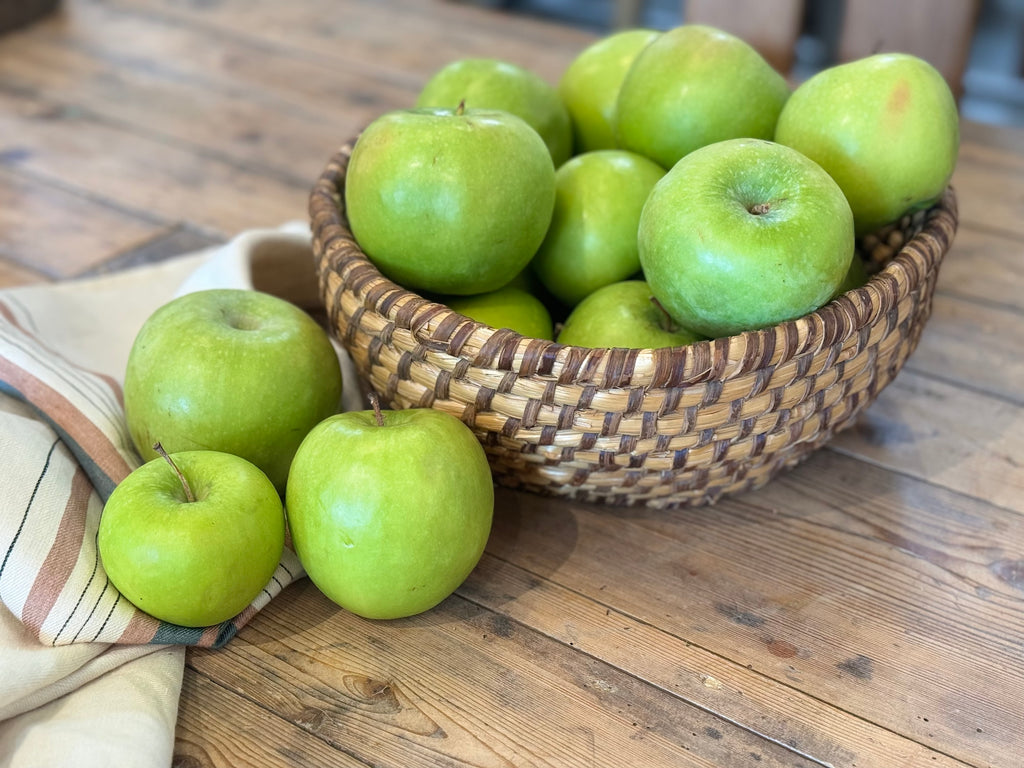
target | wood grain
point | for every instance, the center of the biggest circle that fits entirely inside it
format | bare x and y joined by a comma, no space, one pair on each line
481,690
61,234
70,147
799,581
234,98
250,735
864,610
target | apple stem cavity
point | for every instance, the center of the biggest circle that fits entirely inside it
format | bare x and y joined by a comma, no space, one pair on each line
667,323
759,209
377,413
184,483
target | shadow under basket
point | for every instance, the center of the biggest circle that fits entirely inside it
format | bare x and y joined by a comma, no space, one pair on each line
657,427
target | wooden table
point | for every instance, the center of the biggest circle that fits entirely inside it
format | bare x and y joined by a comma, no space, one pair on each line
865,609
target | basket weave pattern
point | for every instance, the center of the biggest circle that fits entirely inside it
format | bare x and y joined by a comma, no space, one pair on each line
665,428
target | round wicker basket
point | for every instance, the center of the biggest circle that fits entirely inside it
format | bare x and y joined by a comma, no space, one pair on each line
663,427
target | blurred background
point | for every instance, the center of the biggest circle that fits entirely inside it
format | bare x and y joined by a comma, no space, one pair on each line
978,45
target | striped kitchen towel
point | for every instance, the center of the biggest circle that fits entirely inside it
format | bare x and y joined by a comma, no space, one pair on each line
64,445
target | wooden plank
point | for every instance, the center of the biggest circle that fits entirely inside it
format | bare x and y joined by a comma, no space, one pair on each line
261,107
979,172
820,582
175,242
939,31
984,267
387,36
12,274
462,685
963,338
58,233
953,437
67,146
771,28
218,728
735,691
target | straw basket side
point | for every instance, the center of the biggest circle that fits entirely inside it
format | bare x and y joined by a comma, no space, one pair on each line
664,427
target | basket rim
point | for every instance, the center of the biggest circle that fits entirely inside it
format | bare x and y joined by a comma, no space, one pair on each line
441,329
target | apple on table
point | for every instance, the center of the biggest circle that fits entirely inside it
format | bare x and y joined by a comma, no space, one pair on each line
230,370
389,511
192,538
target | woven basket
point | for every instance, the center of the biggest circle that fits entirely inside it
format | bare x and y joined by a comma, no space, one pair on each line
666,427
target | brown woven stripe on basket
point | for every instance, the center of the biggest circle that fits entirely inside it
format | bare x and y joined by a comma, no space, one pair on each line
664,427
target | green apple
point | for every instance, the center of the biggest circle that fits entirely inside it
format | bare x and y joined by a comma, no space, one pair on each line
743,234
501,85
230,370
591,241
451,201
623,314
390,511
856,276
590,86
885,127
696,85
193,539
508,307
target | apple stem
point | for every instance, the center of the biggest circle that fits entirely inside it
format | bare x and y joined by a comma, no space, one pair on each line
461,109
377,413
184,483
667,323
760,208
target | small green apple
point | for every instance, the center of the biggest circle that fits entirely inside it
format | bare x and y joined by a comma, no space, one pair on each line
390,511
591,241
885,127
623,314
230,370
695,85
193,539
508,307
590,86
856,276
501,85
743,234
450,201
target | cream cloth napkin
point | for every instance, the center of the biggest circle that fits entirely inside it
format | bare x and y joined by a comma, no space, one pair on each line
85,678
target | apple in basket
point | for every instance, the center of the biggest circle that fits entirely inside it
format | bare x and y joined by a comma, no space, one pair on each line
502,85
744,234
389,511
885,127
623,314
230,370
591,241
509,307
695,85
590,86
451,201
192,538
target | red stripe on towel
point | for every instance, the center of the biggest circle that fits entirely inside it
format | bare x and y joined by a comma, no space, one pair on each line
68,418
60,560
